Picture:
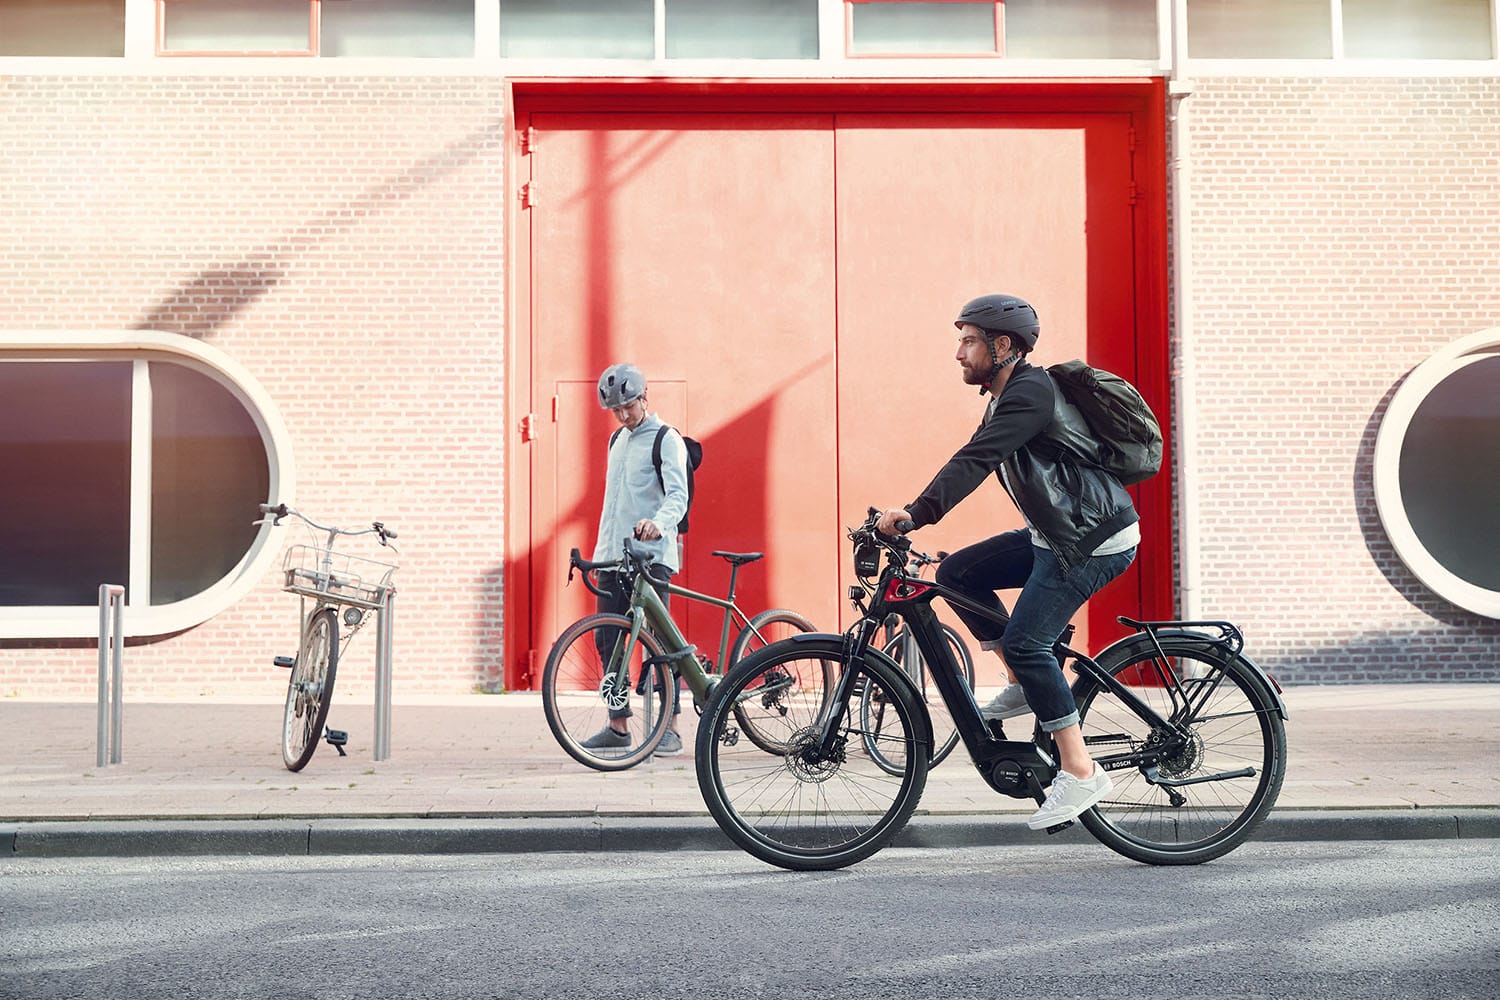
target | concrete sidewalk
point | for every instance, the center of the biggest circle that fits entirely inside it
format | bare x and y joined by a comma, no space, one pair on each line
483,773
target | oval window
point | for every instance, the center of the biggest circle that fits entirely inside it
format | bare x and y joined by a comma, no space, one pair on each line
135,459
1437,472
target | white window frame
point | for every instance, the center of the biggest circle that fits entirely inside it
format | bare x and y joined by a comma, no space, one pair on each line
141,347
1387,473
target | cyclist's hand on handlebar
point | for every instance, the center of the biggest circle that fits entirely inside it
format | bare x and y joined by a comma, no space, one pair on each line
896,521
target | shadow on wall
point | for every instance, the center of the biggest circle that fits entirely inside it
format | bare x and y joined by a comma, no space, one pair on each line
206,301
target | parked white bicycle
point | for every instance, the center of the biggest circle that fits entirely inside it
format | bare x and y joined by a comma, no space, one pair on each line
339,585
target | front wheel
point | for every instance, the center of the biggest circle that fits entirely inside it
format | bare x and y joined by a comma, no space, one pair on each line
1231,734
779,689
816,804
310,689
584,686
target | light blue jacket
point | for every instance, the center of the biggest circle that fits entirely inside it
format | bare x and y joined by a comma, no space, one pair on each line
631,492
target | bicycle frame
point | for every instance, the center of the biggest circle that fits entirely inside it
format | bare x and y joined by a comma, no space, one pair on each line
648,609
910,599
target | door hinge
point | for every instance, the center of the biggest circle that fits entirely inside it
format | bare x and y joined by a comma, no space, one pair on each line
528,194
528,669
1132,195
1130,139
554,409
528,140
528,427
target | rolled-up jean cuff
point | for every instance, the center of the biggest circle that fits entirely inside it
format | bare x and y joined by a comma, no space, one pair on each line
990,645
1071,719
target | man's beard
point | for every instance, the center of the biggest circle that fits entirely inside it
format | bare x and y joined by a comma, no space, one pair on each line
973,376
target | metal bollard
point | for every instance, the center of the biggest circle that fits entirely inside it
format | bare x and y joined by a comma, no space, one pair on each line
111,599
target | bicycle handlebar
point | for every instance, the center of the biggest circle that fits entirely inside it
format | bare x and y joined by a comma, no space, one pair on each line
281,510
587,569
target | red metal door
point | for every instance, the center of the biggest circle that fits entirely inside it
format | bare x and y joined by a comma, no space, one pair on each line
796,274
699,247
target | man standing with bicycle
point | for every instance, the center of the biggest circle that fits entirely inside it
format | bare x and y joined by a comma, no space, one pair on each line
644,501
1081,532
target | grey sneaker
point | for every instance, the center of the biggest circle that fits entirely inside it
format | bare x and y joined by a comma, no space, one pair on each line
670,745
1010,702
1070,796
607,739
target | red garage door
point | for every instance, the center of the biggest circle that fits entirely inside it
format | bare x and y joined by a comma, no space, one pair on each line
787,281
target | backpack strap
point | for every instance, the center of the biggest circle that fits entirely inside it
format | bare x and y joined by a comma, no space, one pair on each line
661,432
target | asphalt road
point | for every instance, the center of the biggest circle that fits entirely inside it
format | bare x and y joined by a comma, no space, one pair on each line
1283,920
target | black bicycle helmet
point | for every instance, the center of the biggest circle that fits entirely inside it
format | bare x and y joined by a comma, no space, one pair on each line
997,314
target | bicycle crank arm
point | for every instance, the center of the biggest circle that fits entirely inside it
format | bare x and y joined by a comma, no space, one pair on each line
1153,775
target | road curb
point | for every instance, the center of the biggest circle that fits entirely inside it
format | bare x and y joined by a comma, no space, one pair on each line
604,833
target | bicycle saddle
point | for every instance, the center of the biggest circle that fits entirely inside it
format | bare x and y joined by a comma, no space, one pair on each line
740,558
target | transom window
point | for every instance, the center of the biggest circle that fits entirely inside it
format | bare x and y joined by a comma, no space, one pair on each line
416,28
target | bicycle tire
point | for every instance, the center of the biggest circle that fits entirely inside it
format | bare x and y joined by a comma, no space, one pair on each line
778,691
1239,726
790,809
944,730
575,704
309,691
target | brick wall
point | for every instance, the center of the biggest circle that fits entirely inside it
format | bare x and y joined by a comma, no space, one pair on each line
1343,230
342,238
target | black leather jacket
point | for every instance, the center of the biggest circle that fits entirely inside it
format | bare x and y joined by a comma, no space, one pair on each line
1051,467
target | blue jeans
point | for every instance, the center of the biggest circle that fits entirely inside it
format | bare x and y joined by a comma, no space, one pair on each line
1049,599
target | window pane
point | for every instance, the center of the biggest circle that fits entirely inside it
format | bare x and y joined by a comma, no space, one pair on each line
1259,29
1080,29
932,28
62,27
431,28
583,29
1399,29
208,472
1450,473
65,449
746,29
236,26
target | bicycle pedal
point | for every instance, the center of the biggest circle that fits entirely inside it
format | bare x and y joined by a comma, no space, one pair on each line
285,661
731,736
1059,828
336,738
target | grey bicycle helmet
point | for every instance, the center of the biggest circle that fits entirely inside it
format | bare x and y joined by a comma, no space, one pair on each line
620,385
997,314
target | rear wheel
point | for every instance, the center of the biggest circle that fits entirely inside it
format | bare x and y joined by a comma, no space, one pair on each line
1233,736
310,689
803,808
778,690
578,693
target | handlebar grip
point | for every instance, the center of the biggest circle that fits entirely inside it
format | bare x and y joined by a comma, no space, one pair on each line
389,533
906,527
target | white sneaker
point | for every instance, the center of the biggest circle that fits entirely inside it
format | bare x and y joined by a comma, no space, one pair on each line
1070,796
1010,702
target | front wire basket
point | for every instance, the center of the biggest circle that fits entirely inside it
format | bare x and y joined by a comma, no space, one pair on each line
336,577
